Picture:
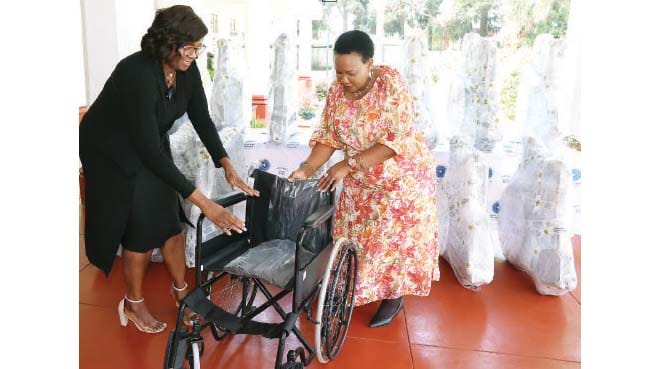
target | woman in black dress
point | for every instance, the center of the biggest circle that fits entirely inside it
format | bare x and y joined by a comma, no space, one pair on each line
131,180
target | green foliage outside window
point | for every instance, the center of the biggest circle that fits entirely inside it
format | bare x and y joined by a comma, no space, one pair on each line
555,23
509,95
209,65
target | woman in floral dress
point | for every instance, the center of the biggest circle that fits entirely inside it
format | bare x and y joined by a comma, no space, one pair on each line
387,206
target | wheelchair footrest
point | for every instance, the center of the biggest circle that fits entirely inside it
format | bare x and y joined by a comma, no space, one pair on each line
198,302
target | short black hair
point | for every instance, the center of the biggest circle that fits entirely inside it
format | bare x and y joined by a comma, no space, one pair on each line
172,28
355,41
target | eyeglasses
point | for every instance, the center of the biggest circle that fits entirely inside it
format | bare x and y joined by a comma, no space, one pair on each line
191,51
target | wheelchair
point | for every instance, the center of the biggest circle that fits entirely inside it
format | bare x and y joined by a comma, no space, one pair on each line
287,250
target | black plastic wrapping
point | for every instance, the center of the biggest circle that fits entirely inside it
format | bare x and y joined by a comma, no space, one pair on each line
282,208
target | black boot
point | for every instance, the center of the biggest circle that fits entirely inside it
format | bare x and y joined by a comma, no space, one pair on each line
386,312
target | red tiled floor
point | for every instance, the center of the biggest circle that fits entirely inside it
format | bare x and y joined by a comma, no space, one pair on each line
95,289
507,316
428,357
105,344
505,325
255,352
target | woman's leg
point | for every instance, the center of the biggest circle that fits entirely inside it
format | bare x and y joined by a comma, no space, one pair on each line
174,256
135,268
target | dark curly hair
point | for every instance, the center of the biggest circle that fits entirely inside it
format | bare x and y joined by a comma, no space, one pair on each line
355,41
172,28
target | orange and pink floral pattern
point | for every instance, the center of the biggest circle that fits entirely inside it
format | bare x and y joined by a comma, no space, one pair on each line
388,210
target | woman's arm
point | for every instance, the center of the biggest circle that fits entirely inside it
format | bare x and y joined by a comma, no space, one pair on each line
221,217
319,155
376,154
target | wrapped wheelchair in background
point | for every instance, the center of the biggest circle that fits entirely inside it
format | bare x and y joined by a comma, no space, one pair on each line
287,249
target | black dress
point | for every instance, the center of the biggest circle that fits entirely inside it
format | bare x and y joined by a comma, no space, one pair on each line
131,180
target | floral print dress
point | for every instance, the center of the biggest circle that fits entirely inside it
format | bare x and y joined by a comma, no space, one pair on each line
388,210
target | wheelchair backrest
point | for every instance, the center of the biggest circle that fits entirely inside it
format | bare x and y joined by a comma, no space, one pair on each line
281,209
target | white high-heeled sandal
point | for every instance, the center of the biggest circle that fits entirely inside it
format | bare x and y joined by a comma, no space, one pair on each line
124,318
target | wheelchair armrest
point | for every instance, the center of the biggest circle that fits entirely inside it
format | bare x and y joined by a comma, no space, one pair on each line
231,198
319,216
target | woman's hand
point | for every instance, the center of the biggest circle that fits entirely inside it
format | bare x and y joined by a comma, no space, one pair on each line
335,174
298,174
223,218
235,180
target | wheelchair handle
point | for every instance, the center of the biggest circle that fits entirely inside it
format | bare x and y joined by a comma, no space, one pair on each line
227,200
231,198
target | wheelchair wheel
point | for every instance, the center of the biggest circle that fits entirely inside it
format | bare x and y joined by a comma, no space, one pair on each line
193,359
180,351
335,304
234,294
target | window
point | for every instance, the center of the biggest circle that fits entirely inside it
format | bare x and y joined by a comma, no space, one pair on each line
214,23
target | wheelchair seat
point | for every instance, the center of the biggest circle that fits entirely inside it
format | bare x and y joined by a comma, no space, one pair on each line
271,261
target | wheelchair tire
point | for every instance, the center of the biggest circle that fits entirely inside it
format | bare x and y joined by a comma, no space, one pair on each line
193,359
335,303
175,352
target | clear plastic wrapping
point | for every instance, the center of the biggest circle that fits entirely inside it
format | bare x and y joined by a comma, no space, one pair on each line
417,74
283,93
472,109
230,105
272,261
539,95
535,214
465,240
290,204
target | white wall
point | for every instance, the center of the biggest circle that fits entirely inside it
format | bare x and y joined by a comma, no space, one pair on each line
101,44
112,30
133,20
80,60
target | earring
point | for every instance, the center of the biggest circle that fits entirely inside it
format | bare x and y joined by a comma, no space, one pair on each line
371,73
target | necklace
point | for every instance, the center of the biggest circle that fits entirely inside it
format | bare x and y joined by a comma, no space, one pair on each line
170,78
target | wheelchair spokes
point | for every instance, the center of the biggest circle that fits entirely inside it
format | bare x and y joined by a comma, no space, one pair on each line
337,300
